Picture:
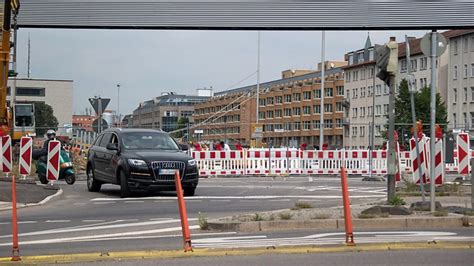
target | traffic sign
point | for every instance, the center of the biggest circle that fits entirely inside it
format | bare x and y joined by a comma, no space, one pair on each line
99,104
26,145
52,168
441,44
6,154
95,125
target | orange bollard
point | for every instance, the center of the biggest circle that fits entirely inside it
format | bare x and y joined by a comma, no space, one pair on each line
16,249
183,214
347,209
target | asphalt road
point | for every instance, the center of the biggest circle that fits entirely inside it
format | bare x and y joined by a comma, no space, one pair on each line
80,221
379,258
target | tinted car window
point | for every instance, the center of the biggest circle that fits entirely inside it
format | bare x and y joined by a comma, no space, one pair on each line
148,141
105,140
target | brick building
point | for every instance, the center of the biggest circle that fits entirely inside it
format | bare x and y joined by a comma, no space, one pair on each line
289,110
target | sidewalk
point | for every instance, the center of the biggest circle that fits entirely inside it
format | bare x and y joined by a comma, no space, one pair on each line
28,193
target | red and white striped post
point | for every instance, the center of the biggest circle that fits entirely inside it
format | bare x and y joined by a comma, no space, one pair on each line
6,155
52,167
463,153
26,146
439,162
419,170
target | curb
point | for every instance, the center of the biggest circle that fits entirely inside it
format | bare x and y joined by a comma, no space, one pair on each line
151,254
388,223
58,193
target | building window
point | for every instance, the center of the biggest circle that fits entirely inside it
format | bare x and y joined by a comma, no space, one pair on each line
306,125
464,115
378,110
455,98
296,97
317,94
316,109
472,67
339,107
261,115
269,100
465,95
472,94
455,72
454,120
297,126
351,59
371,73
279,99
354,131
288,126
287,112
307,95
423,63
355,93
456,47
317,124
422,85
355,75
414,65
327,123
362,74
377,131
362,131
354,112
270,114
278,113
306,110
362,112
369,110
328,108
465,47
385,109
287,98
328,92
362,92
35,92
403,65
466,71
348,76
369,91
296,111
262,102
378,90
340,89
385,89
472,120
338,122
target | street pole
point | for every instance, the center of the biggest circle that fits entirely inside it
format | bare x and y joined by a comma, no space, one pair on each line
413,117
372,129
99,111
118,106
433,120
13,88
321,126
391,140
258,77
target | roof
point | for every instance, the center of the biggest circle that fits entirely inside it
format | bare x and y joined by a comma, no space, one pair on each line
27,79
129,130
277,82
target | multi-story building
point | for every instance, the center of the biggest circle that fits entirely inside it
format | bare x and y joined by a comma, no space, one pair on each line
164,111
57,93
460,99
83,122
364,100
289,110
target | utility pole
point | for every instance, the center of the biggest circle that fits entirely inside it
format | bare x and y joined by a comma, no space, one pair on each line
321,126
29,57
118,106
13,88
411,80
434,46
386,58
258,77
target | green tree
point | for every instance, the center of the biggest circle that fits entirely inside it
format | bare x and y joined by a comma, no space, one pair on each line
44,118
182,123
403,117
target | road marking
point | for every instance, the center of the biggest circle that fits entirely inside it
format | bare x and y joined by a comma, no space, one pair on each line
57,221
27,222
225,200
105,202
166,199
93,221
129,220
4,223
134,201
95,237
91,228
160,219
280,200
190,200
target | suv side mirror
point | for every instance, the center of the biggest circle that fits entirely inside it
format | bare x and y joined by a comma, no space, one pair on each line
112,147
184,147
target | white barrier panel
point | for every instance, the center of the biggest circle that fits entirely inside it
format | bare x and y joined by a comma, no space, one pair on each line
220,162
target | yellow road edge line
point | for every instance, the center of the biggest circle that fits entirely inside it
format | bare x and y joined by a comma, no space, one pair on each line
204,252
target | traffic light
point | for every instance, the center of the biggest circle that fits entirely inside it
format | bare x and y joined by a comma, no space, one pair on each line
386,59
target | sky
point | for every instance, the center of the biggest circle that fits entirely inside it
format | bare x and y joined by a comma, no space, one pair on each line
147,63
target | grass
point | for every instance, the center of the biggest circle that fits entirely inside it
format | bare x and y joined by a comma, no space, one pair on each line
272,217
366,216
396,201
257,217
285,216
469,213
302,205
202,221
321,216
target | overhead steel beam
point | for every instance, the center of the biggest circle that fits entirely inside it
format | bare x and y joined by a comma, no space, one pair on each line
247,15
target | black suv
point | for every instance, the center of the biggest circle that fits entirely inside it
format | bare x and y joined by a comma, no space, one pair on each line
139,159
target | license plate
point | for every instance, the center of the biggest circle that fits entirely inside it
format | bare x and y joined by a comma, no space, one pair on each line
167,171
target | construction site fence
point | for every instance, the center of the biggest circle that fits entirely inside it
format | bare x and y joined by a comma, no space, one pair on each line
302,162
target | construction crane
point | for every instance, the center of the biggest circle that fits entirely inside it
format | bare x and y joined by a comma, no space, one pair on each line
17,120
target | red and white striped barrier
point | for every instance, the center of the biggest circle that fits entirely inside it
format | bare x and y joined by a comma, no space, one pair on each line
220,162
422,164
463,153
439,159
6,154
52,167
26,146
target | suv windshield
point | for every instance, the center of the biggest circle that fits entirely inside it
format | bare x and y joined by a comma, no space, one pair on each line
148,141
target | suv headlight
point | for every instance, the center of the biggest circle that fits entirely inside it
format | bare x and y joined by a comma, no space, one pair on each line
136,162
192,162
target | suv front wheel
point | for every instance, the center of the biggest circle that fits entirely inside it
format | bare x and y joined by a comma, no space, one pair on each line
92,184
124,190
